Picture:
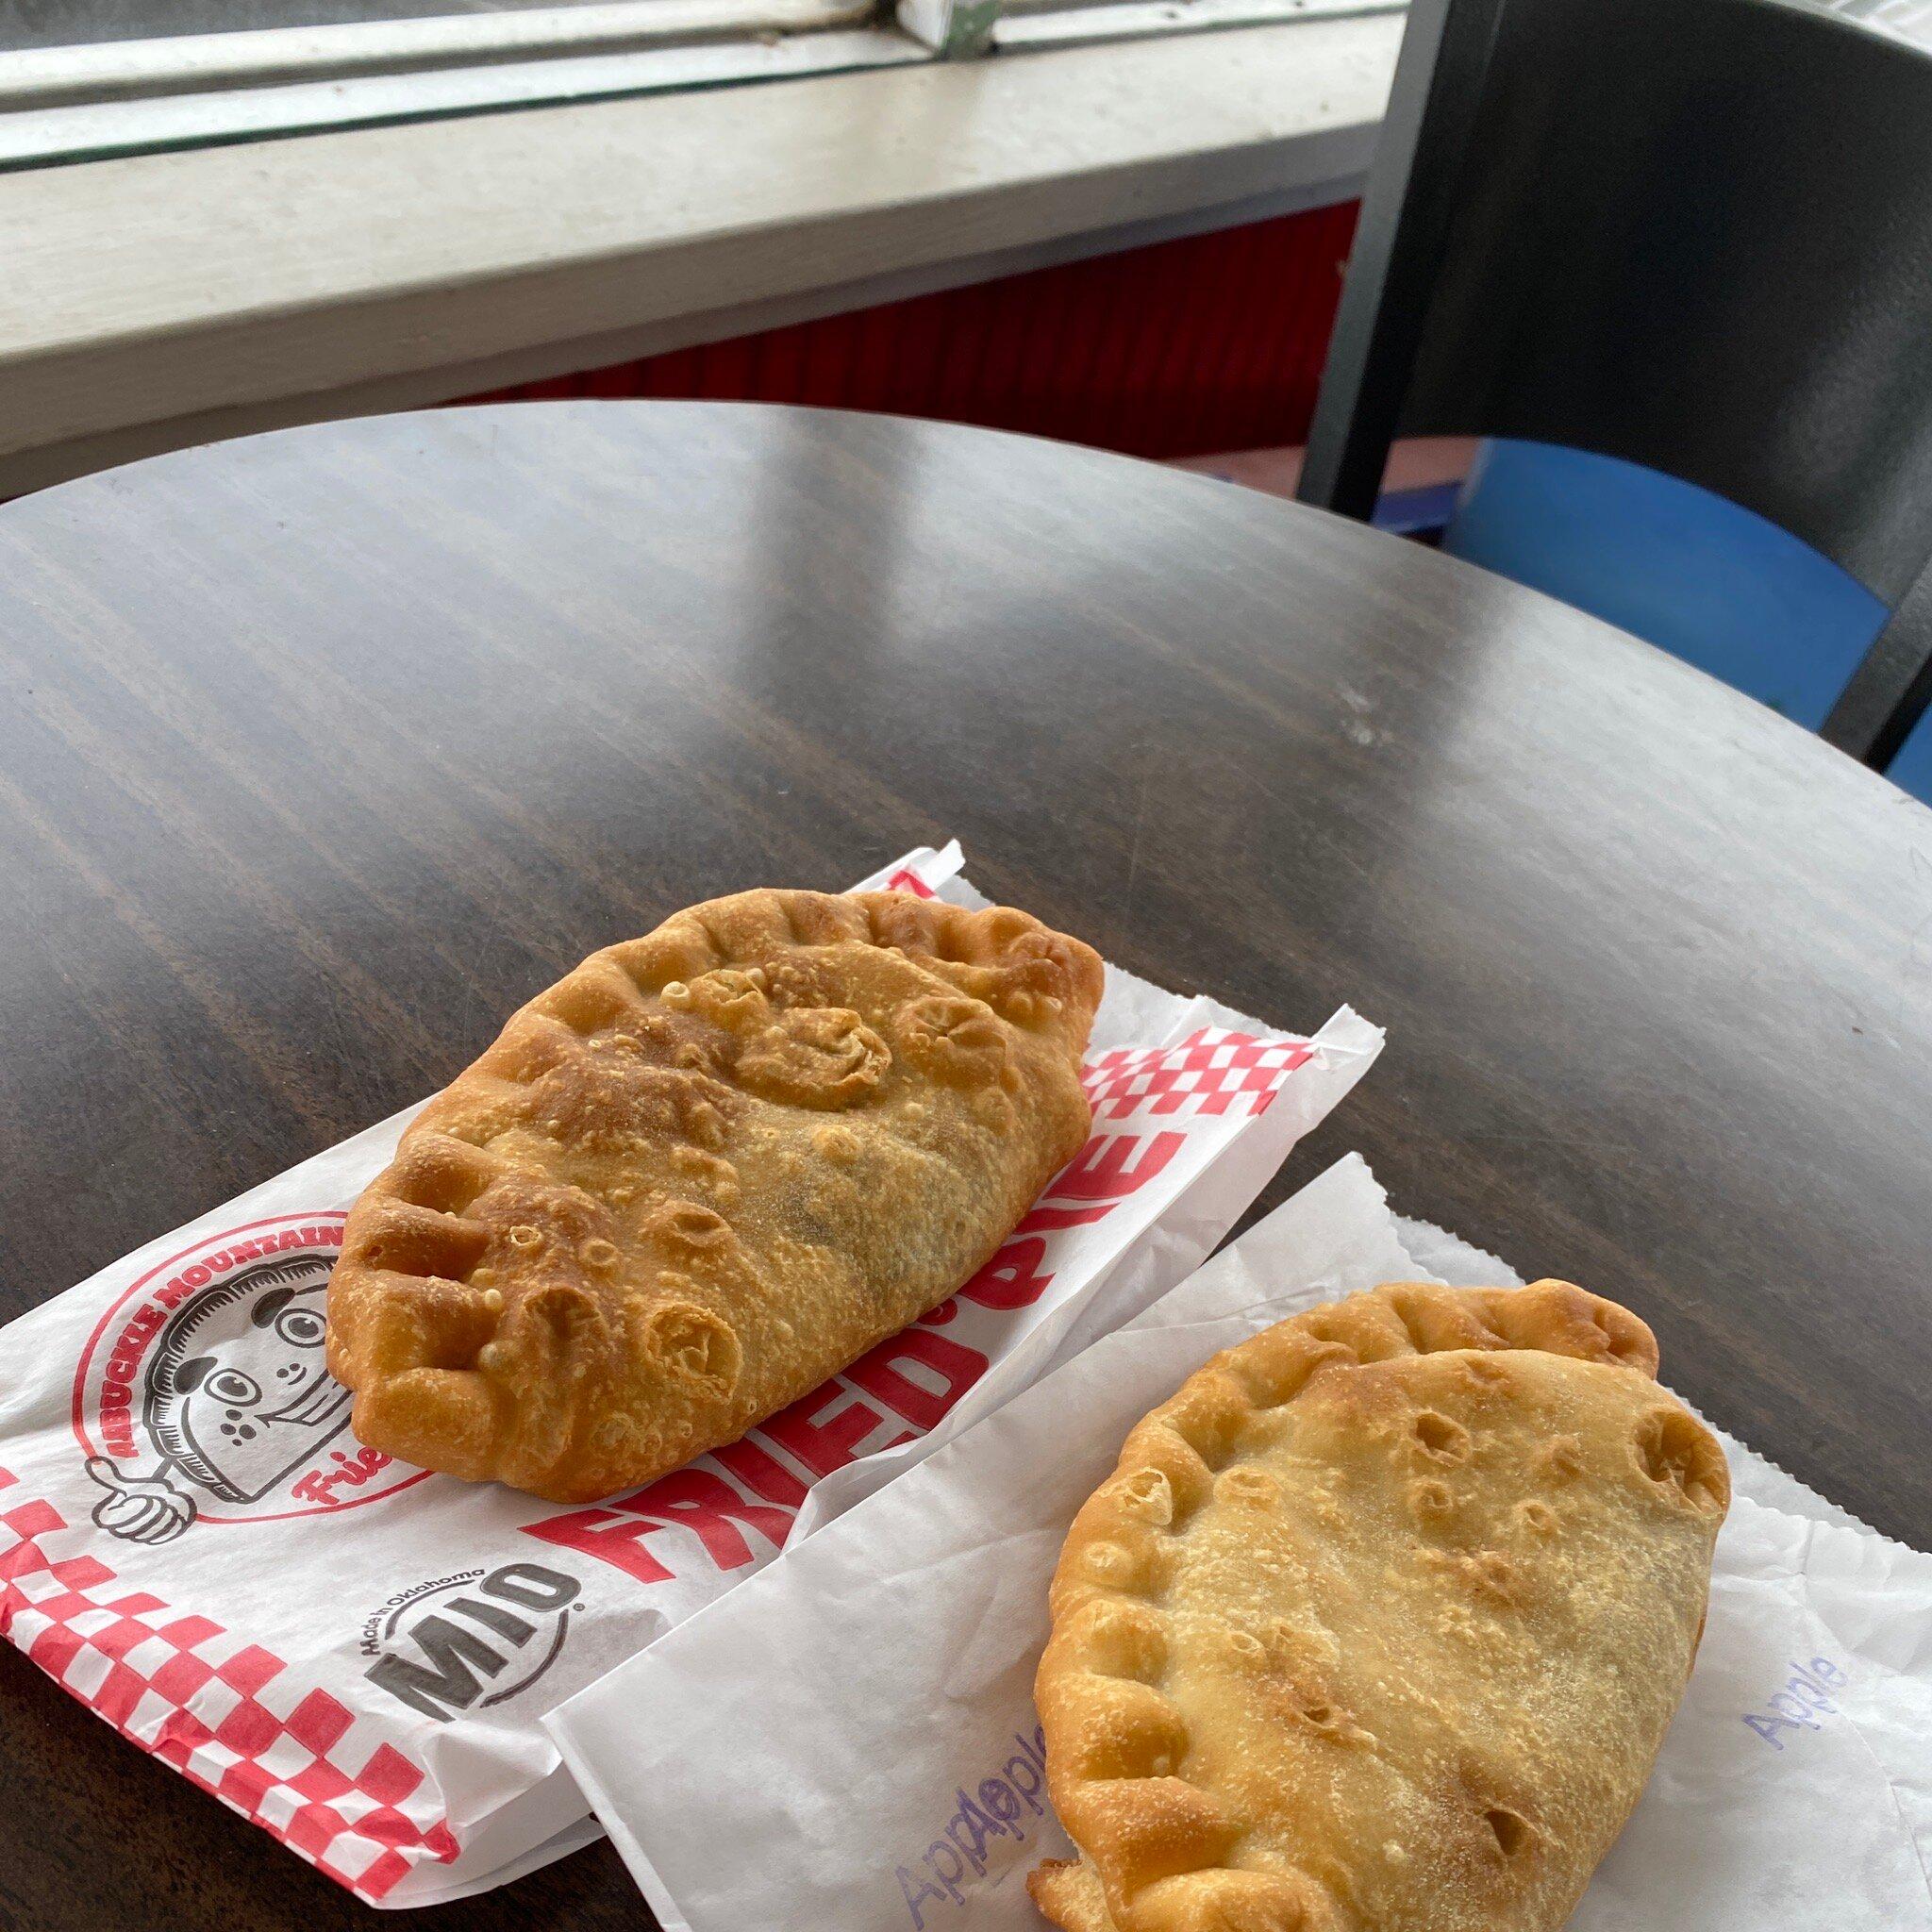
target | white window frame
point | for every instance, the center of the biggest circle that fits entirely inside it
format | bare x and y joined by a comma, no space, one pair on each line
162,300
93,102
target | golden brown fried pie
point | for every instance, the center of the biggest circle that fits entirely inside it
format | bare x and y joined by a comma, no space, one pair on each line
1380,1623
702,1173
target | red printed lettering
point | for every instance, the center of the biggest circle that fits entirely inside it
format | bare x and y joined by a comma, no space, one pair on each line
711,1509
1100,1169
955,1366
1012,1280
140,1325
823,1446
607,1536
689,1499
764,1476
1051,1219
351,1470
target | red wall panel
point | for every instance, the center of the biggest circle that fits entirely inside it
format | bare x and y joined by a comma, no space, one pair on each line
1212,342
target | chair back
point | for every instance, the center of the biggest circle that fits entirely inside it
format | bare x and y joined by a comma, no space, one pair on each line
1693,234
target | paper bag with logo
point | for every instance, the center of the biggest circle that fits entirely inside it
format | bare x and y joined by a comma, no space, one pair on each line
887,1760
354,1654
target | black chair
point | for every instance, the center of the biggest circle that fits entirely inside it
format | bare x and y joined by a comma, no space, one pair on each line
1693,234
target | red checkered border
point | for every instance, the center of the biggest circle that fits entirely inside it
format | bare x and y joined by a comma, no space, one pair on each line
213,1706
1211,1072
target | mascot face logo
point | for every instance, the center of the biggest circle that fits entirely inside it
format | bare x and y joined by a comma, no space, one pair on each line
207,1393
237,1397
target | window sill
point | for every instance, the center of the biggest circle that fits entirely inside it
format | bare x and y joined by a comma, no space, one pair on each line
170,299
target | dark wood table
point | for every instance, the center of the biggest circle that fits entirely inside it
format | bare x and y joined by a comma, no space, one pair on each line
324,750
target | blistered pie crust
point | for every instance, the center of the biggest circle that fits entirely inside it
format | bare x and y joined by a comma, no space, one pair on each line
1379,1623
703,1172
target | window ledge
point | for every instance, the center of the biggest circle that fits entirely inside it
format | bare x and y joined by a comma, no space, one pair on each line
164,300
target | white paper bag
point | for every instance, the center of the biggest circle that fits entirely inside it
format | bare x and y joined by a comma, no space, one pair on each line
850,1739
356,1654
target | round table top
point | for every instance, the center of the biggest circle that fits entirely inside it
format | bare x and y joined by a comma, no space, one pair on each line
324,750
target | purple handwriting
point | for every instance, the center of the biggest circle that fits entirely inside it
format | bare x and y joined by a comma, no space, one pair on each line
1806,1693
997,1807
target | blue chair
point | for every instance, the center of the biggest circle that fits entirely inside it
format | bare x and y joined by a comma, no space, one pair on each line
1716,585
1693,237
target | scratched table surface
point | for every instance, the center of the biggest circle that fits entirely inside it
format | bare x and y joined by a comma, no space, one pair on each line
322,751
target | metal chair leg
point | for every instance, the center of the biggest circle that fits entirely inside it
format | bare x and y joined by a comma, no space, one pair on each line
1890,690
1400,239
